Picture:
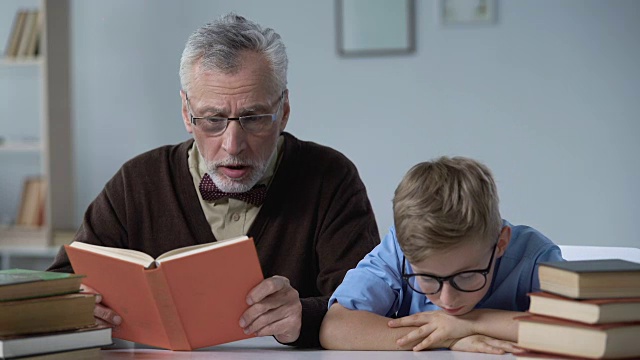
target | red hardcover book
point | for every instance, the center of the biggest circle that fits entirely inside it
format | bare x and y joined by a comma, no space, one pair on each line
185,299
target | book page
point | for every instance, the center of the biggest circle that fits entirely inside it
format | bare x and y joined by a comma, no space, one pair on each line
189,250
132,256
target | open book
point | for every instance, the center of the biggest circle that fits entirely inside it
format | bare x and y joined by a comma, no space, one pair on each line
185,299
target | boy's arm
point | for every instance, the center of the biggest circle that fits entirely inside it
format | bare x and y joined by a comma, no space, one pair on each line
356,316
345,329
499,324
437,327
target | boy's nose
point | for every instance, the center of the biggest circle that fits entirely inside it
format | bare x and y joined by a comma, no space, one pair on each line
448,294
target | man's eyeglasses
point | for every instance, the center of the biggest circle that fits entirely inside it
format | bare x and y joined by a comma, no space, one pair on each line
253,124
465,281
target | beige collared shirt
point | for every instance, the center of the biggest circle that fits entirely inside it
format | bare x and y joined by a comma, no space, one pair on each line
228,217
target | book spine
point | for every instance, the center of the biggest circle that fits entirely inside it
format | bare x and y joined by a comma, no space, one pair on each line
167,310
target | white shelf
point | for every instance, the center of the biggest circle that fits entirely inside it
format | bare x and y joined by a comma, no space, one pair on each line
35,147
52,145
23,237
30,247
30,61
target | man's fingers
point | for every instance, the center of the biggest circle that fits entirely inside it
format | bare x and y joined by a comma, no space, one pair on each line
269,303
97,298
282,330
266,288
106,314
278,313
286,300
261,325
102,313
89,290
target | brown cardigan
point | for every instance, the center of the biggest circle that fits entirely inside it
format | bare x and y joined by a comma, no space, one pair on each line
315,224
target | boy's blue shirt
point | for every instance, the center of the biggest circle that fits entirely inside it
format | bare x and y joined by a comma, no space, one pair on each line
376,285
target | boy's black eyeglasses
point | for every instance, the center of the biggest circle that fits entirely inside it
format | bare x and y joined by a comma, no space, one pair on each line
465,281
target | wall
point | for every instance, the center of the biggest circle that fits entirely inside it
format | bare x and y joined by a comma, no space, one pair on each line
547,98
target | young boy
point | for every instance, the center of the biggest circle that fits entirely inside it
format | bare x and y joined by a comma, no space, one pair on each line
451,272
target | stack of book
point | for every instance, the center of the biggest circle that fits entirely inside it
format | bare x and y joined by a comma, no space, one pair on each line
587,309
43,315
33,203
24,40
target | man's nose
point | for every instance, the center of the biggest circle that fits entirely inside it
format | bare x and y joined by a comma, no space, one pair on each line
234,138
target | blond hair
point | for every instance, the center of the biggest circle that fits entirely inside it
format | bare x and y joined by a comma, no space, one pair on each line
442,203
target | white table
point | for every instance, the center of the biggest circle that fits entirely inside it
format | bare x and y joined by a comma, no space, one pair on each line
268,348
572,252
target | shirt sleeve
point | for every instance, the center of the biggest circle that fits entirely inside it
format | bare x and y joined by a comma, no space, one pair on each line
516,271
550,253
375,284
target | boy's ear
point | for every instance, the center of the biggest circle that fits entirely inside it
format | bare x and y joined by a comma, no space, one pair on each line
503,240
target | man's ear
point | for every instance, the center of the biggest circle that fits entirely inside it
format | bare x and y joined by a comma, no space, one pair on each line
185,113
503,240
286,108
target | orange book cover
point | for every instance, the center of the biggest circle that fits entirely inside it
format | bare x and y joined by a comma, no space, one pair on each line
185,299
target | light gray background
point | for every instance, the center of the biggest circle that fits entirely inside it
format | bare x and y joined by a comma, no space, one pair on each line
548,97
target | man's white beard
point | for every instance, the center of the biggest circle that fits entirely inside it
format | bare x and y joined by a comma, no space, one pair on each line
256,172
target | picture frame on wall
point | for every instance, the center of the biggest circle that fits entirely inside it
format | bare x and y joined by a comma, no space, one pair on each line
468,12
375,27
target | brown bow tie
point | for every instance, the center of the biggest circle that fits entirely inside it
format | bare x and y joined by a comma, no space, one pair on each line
210,192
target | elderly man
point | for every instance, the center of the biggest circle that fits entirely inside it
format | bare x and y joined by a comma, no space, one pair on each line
304,204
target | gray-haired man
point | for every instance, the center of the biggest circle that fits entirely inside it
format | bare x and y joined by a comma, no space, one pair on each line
304,204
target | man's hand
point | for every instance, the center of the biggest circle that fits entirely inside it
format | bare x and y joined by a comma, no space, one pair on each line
436,329
274,309
103,314
484,344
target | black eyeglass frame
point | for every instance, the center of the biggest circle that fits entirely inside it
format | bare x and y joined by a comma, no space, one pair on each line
441,279
240,119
